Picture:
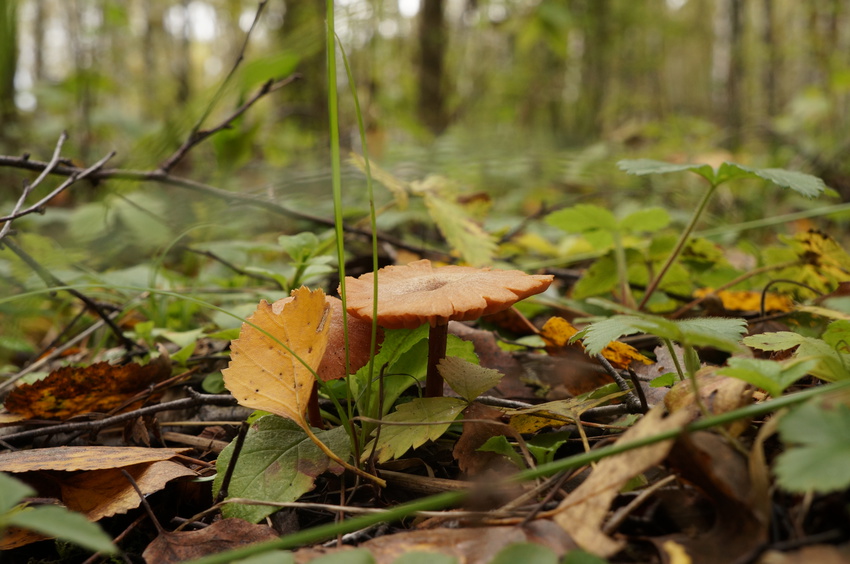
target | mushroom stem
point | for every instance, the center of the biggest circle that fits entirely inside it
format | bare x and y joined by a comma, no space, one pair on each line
437,337
314,415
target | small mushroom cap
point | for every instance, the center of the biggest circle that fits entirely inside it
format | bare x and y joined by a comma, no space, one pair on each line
332,366
418,293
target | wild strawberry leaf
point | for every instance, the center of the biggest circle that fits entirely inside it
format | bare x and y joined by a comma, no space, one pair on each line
650,166
278,462
806,184
818,453
832,364
420,420
645,219
583,217
769,375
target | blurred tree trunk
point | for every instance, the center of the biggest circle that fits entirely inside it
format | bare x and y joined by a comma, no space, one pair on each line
735,74
595,66
38,40
774,61
182,63
8,64
303,32
432,50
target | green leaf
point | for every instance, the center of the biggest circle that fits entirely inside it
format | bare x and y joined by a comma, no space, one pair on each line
500,445
769,375
12,491
300,246
528,552
475,245
545,445
599,279
837,335
356,556
664,381
278,463
832,365
583,217
53,521
270,557
579,556
421,557
650,166
427,419
646,219
775,341
806,184
818,454
467,379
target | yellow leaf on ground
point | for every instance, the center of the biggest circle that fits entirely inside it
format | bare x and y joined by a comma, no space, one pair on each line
557,332
82,458
264,372
740,300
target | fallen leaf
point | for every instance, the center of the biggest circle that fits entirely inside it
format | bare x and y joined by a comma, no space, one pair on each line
742,300
554,413
719,394
476,432
583,511
557,332
182,546
82,458
264,373
467,379
98,388
820,553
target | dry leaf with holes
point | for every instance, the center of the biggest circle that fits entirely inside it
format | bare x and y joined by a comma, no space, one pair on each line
99,388
264,372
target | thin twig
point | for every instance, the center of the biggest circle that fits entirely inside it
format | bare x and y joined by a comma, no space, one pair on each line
144,501
231,465
54,161
632,402
185,403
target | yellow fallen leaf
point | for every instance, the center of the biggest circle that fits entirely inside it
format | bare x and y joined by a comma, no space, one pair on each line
741,300
264,372
557,332
82,458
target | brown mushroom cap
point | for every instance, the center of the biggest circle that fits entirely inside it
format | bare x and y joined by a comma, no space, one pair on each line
418,293
332,366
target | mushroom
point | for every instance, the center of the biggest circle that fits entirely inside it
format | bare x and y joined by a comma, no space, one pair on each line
418,293
332,366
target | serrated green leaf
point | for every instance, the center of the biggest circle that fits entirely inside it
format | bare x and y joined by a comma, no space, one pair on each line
723,333
300,246
57,522
806,184
599,279
278,463
583,217
475,245
775,341
467,379
646,219
819,449
395,440
769,375
528,552
651,166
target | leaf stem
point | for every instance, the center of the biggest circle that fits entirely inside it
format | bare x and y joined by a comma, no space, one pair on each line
333,456
680,244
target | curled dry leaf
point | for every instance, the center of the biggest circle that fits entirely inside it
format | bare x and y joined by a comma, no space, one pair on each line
264,372
82,458
101,387
172,547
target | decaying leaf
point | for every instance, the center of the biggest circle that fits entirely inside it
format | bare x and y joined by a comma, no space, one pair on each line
476,432
98,388
557,332
719,394
467,379
741,300
554,413
584,509
173,547
82,458
264,372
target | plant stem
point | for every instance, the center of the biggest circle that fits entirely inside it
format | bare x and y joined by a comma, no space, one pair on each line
437,338
622,270
680,244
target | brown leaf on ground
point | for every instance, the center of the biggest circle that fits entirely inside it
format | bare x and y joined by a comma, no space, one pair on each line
470,545
720,473
99,388
819,553
82,458
719,394
104,493
582,513
471,461
222,535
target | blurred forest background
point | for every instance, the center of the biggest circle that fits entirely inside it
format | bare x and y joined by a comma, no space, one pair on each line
528,102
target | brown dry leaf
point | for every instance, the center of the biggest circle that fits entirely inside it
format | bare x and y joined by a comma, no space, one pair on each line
583,511
720,473
104,493
470,545
100,388
262,374
471,461
557,332
719,394
82,458
740,300
222,535
819,553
